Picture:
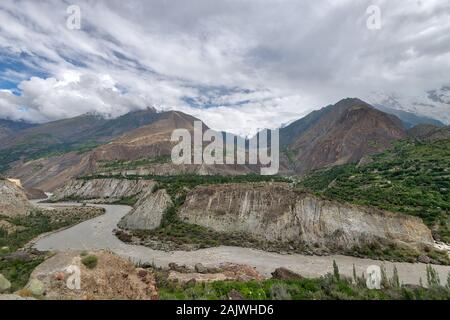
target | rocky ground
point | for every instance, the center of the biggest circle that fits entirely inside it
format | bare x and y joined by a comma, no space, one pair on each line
110,277
222,272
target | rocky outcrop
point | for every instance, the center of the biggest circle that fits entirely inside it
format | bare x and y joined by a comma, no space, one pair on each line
112,189
285,274
35,194
5,285
223,272
112,278
10,228
13,200
276,212
148,212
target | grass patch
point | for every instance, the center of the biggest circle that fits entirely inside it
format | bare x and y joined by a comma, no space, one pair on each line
127,201
18,272
329,287
130,165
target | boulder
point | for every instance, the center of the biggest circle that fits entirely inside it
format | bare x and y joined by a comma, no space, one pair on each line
200,268
182,269
285,274
36,287
18,256
424,259
235,295
228,271
5,285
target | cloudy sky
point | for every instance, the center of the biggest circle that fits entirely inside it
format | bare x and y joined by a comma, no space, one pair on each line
239,65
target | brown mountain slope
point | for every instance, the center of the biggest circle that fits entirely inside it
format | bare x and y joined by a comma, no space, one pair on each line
147,142
429,132
335,135
73,134
339,134
9,127
152,142
49,173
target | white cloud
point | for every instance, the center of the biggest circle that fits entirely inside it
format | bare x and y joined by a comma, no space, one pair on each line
246,64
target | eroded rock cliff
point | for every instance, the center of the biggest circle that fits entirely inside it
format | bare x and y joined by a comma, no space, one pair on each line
148,211
277,212
112,189
13,200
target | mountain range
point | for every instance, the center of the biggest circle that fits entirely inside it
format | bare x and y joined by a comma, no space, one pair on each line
48,155
432,104
8,127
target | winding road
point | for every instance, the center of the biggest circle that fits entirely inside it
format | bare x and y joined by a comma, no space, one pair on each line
96,234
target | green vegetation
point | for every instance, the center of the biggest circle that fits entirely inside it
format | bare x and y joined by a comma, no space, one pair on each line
90,261
128,201
129,165
177,182
83,253
41,146
28,227
397,252
332,286
18,271
412,178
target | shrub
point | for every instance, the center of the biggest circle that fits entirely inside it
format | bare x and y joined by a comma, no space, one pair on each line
395,281
90,261
448,281
433,280
279,291
336,275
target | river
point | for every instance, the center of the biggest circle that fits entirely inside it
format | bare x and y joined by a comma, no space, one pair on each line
97,234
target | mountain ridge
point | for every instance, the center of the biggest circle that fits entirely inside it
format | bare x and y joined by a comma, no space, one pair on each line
339,134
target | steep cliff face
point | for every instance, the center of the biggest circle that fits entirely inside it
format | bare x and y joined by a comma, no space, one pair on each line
276,212
13,200
102,189
148,212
